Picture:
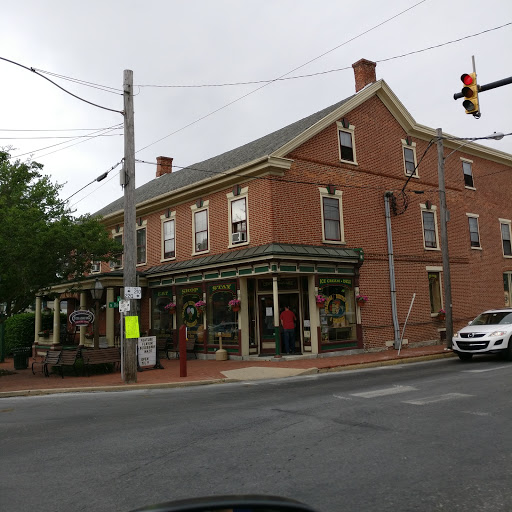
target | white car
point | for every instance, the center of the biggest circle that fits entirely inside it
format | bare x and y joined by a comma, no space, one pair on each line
489,333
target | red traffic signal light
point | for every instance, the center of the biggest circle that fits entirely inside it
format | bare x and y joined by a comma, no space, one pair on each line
470,92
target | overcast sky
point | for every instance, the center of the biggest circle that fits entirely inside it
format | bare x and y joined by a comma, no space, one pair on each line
193,42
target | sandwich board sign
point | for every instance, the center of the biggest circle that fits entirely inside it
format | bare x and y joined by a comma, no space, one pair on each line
147,355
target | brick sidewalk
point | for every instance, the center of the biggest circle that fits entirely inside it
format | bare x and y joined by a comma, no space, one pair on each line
201,371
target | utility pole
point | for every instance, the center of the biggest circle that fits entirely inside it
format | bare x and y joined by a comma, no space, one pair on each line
130,247
444,239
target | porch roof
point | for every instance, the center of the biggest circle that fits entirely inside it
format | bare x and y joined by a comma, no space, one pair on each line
268,251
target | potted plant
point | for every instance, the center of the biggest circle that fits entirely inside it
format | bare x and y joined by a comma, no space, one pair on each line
171,307
234,305
361,299
441,314
320,300
45,333
200,305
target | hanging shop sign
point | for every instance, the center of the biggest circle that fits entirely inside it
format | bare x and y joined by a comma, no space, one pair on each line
81,317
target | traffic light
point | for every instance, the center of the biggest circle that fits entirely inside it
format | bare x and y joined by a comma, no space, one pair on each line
470,92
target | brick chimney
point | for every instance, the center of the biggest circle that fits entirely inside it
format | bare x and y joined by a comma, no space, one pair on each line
364,73
163,165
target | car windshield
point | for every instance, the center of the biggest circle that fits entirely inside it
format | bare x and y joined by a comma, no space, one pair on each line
499,317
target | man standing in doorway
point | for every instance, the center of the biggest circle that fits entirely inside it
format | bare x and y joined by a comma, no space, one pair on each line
288,320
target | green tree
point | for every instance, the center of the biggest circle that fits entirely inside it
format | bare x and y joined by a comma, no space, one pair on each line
41,242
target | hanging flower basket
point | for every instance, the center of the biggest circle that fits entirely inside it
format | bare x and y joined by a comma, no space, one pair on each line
320,300
361,299
200,306
171,307
441,314
234,305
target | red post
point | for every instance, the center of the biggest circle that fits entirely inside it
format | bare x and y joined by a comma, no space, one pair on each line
183,350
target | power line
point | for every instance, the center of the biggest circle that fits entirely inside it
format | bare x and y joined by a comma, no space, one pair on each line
62,88
283,75
105,88
61,137
93,191
228,84
51,129
88,137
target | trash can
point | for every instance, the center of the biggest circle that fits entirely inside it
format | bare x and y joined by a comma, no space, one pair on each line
21,355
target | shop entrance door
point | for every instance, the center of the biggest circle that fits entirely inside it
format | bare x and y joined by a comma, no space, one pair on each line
266,320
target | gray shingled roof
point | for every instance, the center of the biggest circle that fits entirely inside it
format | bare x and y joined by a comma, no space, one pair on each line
248,152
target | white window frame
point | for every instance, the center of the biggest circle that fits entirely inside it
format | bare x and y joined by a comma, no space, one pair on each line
474,216
338,194
117,233
350,130
470,162
436,270
98,265
244,194
508,222
195,209
163,219
433,209
138,228
412,147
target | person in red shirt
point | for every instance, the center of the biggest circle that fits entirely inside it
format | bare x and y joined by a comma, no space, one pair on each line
288,320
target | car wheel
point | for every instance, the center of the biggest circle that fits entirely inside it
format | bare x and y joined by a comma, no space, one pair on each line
464,356
508,352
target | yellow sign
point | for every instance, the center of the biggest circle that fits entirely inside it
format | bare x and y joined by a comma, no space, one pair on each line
131,327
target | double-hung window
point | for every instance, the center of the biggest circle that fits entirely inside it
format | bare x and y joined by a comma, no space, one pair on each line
474,232
200,227
347,149
409,151
118,261
505,237
169,239
429,221
467,169
332,216
141,245
238,216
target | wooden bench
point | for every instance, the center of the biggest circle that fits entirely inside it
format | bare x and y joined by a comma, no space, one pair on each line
52,358
191,349
110,355
68,358
165,345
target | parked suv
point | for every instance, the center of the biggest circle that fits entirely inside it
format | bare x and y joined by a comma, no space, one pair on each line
489,333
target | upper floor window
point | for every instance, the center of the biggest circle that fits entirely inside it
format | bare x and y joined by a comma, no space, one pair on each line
467,169
505,237
200,226
332,216
429,221
474,232
141,245
409,150
169,239
347,150
118,262
95,267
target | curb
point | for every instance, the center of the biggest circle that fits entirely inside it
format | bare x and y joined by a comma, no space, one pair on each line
169,385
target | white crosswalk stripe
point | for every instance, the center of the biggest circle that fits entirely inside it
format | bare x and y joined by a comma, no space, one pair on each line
384,392
438,398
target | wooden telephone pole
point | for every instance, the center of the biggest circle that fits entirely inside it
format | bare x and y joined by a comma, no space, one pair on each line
130,247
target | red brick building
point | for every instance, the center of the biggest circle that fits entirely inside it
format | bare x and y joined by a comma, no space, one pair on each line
301,212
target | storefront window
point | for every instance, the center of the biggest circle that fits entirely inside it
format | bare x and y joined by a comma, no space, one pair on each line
338,315
221,320
161,318
190,316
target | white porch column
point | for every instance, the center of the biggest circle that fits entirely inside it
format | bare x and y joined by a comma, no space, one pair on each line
56,321
243,316
314,315
83,305
109,315
38,319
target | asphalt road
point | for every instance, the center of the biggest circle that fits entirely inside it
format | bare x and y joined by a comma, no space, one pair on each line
433,436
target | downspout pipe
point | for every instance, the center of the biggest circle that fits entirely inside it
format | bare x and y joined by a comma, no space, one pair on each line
391,262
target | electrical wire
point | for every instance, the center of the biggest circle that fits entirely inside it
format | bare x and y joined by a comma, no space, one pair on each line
62,88
283,75
93,135
58,137
93,191
105,88
52,129
229,84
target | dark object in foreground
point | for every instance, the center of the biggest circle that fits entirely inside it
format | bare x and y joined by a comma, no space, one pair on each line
236,503
110,355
